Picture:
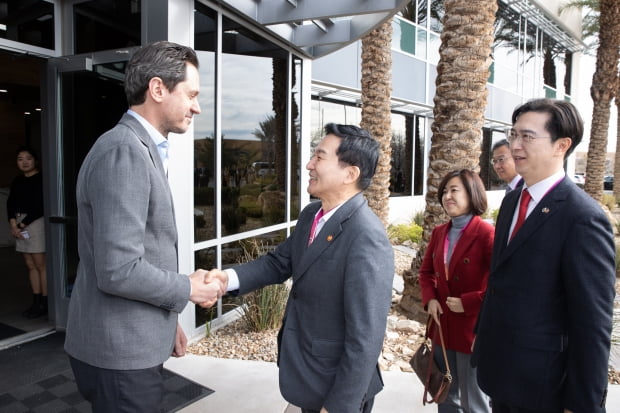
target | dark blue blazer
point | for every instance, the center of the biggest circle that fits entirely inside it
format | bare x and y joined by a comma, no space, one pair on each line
543,335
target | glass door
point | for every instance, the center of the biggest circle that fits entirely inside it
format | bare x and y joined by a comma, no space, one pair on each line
85,97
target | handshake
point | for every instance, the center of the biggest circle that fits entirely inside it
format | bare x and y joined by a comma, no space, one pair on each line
207,287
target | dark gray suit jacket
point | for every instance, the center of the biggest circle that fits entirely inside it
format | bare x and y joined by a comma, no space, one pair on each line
127,295
336,313
543,334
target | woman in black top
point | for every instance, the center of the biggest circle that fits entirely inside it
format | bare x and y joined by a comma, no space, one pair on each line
25,211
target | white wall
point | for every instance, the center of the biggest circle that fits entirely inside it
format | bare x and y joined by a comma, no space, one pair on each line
404,208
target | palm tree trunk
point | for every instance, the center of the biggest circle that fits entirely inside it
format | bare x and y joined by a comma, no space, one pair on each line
460,103
617,156
604,85
376,111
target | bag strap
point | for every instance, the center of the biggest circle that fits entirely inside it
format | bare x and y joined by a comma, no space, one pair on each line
448,375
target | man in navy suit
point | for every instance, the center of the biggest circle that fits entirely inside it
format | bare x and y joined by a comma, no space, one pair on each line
342,266
544,331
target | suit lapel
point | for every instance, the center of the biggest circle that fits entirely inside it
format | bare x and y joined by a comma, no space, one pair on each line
548,206
328,235
467,238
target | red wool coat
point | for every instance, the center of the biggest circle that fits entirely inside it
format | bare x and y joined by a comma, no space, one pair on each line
468,275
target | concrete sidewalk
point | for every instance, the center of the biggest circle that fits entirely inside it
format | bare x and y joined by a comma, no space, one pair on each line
252,387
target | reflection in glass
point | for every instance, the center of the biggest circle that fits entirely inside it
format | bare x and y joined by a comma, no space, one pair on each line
245,250
254,104
205,40
103,25
206,259
296,168
404,36
400,175
418,124
421,43
30,22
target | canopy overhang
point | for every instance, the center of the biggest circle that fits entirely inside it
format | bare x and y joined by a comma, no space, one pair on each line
318,27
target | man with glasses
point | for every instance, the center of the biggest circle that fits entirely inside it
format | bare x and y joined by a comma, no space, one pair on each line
504,166
544,331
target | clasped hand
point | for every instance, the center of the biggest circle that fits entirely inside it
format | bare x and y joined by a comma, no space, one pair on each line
207,287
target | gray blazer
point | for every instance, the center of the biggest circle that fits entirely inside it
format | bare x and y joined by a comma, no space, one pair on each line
127,295
335,317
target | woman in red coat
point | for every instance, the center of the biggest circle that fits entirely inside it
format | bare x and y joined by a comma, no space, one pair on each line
453,280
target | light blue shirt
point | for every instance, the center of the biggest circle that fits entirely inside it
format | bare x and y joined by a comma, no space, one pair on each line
156,137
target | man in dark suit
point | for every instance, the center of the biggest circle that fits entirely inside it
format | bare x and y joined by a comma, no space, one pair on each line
342,266
544,332
122,322
504,165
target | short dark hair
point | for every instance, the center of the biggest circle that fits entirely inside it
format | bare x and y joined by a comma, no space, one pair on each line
357,148
473,185
29,150
564,119
165,60
499,144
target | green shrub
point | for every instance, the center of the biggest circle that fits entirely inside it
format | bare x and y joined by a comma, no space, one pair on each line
251,189
264,308
250,206
418,218
405,232
609,201
233,218
492,214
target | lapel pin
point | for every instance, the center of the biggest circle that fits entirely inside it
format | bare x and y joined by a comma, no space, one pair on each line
329,238
545,210
466,260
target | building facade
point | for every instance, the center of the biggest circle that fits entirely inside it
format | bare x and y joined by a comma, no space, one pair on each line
272,74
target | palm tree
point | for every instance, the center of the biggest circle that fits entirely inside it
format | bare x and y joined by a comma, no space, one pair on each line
617,156
460,103
376,115
603,90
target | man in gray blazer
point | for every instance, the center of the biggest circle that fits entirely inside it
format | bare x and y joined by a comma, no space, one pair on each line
342,266
122,322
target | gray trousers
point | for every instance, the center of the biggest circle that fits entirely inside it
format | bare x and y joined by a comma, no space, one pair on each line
465,395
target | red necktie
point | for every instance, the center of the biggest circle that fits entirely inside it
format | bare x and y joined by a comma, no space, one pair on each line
317,218
525,200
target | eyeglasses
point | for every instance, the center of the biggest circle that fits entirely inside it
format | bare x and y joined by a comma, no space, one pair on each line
527,137
500,160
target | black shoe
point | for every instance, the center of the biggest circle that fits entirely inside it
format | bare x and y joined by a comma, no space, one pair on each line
29,311
36,304
40,310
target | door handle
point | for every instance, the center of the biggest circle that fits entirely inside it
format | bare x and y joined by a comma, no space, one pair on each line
63,220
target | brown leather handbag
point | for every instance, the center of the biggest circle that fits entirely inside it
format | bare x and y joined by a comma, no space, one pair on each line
436,383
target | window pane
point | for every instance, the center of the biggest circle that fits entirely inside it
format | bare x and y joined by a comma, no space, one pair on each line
104,25
404,36
204,129
296,168
205,258
400,179
254,103
246,250
30,22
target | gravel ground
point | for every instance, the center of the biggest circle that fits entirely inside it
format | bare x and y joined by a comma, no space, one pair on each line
402,338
